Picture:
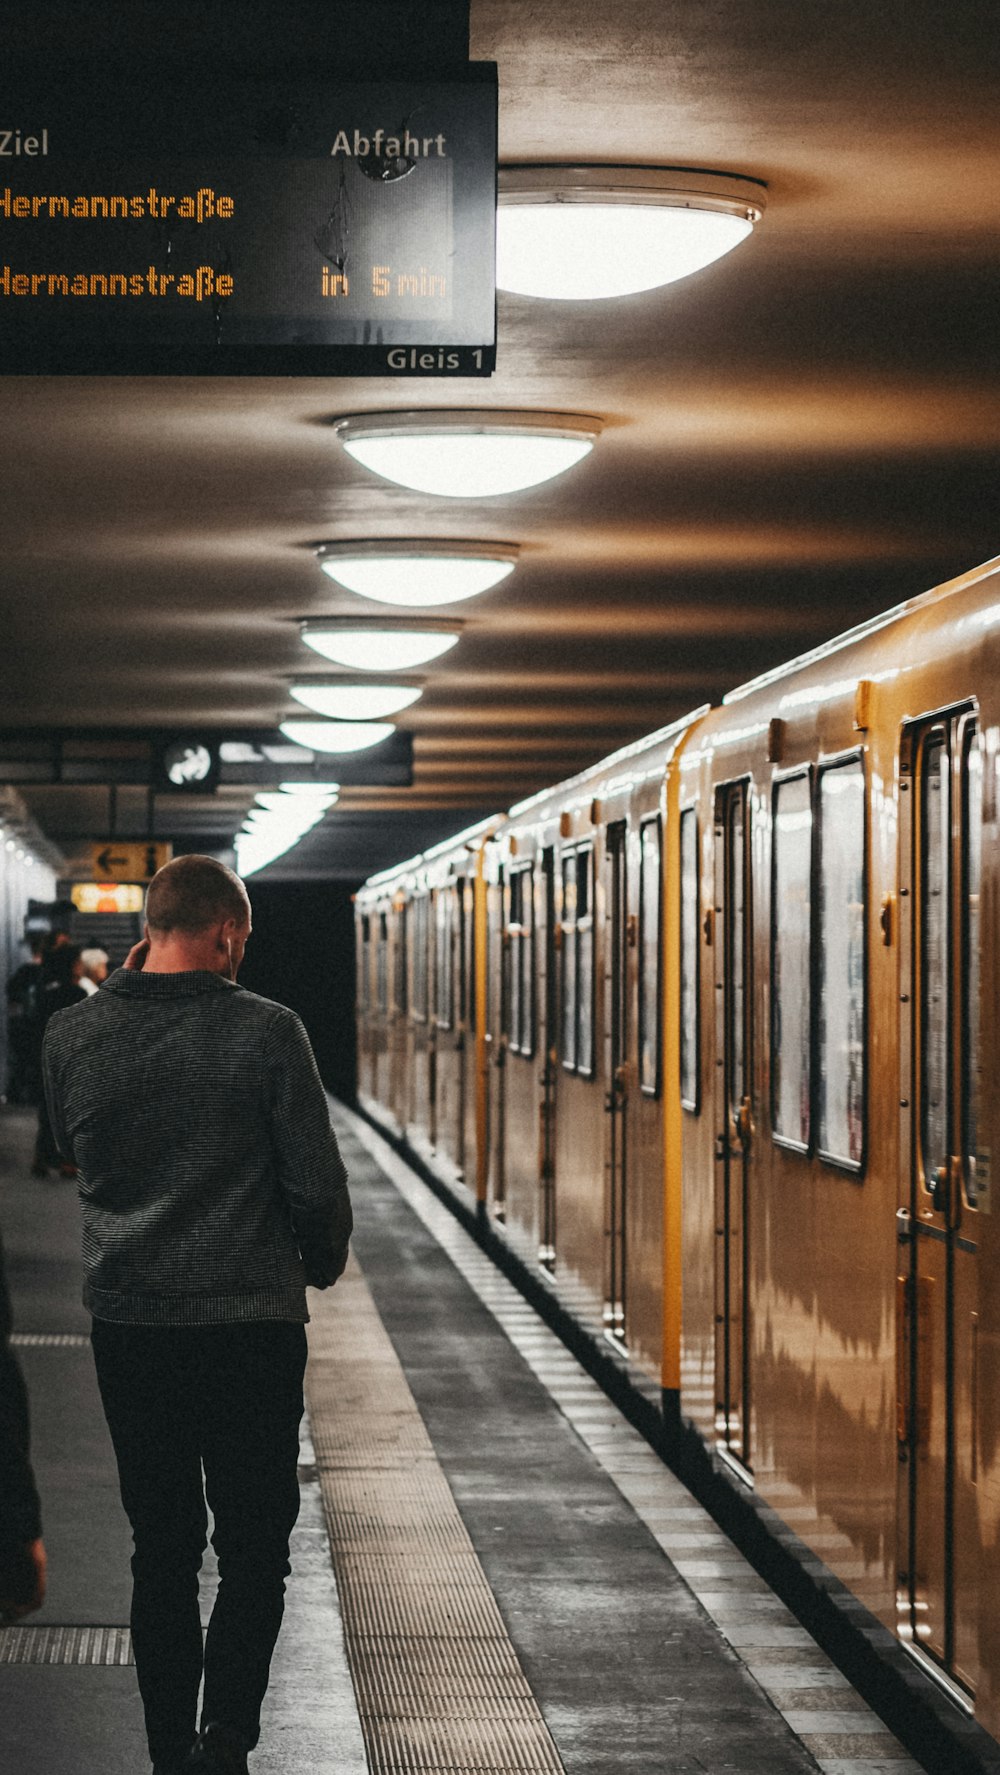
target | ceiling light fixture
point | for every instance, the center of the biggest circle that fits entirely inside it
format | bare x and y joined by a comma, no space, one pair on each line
356,702
378,650
307,789
473,453
337,736
414,573
578,233
277,803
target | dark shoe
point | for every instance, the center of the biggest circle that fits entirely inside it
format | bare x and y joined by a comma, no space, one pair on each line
219,1751
173,1765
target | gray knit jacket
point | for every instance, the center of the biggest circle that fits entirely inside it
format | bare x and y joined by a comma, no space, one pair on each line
211,1182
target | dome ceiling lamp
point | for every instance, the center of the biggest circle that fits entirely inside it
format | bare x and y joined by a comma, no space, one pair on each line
417,574
337,736
355,702
318,790
378,649
582,233
468,453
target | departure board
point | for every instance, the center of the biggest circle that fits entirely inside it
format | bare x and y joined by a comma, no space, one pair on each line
249,228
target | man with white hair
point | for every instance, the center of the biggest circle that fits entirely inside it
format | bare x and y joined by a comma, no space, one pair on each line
95,969
212,1191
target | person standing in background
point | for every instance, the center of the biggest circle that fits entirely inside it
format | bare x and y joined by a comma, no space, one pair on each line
63,987
94,963
24,992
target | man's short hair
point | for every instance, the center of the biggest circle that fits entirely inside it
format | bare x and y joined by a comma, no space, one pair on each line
191,893
94,958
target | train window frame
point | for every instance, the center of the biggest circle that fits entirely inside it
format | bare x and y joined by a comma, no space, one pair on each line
419,958
577,932
521,931
363,960
400,978
808,774
959,726
856,755
689,820
461,883
650,1089
969,737
443,899
939,735
382,964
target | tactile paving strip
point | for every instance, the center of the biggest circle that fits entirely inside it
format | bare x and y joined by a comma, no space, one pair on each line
438,1683
65,1645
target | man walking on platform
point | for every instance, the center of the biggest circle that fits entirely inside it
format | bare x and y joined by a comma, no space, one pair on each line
212,1191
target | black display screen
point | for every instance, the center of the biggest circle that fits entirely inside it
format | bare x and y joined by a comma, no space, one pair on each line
250,228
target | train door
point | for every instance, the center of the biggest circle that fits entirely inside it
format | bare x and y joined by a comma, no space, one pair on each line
498,977
470,1028
945,1187
732,942
615,1025
548,1031
459,1041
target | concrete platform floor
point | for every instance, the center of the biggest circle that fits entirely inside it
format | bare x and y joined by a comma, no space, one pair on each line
632,1638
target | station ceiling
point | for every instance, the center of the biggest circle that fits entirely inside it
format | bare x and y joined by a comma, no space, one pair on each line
794,439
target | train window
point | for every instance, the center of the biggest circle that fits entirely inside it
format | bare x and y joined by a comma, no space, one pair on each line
689,959
400,959
935,822
471,941
522,958
736,998
585,961
444,900
578,961
421,935
972,853
650,922
462,903
791,936
382,965
569,994
840,1056
364,964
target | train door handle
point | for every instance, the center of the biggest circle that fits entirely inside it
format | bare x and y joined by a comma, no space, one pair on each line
615,1098
743,1123
946,1190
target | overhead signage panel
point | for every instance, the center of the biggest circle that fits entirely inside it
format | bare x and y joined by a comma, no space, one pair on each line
117,859
193,763
250,228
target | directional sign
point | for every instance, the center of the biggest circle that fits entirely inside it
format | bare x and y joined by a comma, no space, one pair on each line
118,860
248,227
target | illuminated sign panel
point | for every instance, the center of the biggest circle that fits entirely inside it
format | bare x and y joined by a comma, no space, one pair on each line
106,896
250,229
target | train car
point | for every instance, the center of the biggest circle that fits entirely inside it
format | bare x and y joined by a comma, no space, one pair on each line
577,1141
839,973
737,1025
422,1042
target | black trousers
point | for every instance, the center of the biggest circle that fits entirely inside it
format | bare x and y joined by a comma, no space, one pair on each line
226,1398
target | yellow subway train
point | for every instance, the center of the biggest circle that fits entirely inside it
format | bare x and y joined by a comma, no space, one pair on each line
710,1032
